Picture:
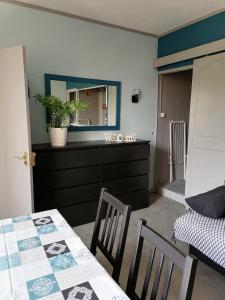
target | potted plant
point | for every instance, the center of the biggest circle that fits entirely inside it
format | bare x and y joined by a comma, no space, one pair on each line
59,116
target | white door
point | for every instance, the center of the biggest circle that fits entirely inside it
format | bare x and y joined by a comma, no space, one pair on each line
15,176
206,151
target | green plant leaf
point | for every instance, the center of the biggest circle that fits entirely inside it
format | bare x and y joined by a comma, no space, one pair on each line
60,110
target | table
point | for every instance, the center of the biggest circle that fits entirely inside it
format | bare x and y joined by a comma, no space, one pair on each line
41,257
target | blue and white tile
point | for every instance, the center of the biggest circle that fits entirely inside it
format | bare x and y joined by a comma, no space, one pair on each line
76,275
21,218
5,293
55,296
7,221
4,263
2,230
83,256
46,229
54,237
18,278
79,251
11,243
24,225
8,228
43,221
10,261
42,287
63,227
26,232
62,262
14,260
56,248
81,291
2,245
110,290
29,243
60,222
32,255
20,292
37,269
13,237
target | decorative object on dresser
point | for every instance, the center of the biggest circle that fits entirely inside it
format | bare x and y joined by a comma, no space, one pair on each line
70,178
119,137
59,113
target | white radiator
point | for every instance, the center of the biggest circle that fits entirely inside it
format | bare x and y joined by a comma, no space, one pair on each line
177,145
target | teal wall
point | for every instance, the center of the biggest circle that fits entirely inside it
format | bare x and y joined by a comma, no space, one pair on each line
78,85
65,46
199,33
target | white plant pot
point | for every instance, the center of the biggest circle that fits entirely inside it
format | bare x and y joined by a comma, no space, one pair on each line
57,136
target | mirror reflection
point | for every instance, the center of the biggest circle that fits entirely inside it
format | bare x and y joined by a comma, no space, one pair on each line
101,99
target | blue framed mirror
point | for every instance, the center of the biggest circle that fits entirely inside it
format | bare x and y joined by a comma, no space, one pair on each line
102,96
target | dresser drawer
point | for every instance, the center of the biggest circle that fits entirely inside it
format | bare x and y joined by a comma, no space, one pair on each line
125,169
67,178
80,214
126,185
54,160
68,196
137,200
121,153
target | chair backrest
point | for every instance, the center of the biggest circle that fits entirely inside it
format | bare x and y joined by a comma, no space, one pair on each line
107,235
186,264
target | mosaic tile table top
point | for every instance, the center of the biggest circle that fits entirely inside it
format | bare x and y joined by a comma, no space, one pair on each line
42,258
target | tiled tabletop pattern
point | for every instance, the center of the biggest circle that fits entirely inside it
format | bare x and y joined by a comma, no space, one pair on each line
42,258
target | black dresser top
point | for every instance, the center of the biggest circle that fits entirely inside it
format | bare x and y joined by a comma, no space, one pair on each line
83,144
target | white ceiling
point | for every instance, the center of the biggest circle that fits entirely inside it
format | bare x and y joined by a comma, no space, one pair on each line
150,16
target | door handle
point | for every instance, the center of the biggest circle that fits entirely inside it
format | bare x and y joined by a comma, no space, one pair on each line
26,159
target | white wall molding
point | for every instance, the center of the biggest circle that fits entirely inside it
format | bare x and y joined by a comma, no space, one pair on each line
198,51
174,70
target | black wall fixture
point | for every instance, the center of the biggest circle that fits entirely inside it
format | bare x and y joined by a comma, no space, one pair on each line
136,95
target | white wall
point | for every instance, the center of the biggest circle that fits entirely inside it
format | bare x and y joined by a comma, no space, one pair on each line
61,45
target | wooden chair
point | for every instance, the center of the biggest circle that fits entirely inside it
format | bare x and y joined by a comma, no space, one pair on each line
187,264
110,212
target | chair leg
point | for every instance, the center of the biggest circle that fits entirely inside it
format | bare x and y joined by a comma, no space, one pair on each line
93,248
97,224
116,273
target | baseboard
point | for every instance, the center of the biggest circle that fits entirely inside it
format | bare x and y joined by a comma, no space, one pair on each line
169,194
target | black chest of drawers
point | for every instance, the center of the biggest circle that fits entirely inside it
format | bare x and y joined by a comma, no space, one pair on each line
70,178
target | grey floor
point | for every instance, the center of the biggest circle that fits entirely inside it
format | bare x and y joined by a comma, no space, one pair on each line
177,186
160,215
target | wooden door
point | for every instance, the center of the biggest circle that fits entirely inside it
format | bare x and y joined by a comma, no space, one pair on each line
206,149
15,176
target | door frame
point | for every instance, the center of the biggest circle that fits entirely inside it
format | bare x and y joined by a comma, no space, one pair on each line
159,106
